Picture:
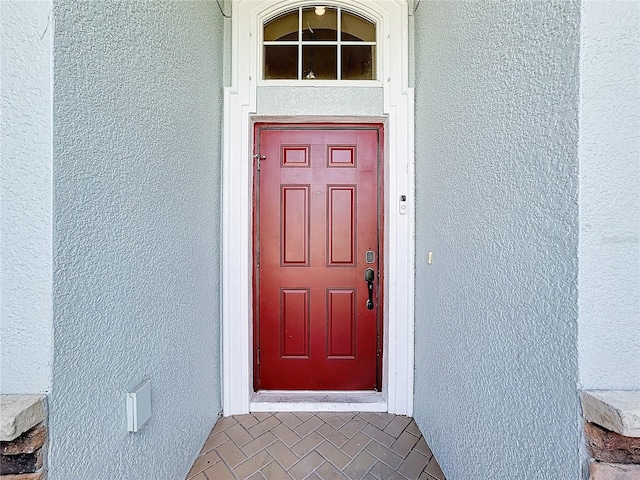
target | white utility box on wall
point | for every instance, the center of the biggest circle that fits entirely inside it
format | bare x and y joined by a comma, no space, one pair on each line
138,406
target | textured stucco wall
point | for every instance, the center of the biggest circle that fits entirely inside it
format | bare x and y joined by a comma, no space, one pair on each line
610,195
137,132
320,101
497,202
26,323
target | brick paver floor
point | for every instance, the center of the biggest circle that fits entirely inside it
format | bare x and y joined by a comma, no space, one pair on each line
301,445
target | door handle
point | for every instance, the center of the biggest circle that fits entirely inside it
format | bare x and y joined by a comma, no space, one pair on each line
369,277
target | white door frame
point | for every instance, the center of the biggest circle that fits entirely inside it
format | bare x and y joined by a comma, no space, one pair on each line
239,110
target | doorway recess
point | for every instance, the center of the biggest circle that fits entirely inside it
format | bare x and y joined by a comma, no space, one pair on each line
386,100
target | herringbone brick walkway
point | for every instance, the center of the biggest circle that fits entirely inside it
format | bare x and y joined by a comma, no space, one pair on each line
300,445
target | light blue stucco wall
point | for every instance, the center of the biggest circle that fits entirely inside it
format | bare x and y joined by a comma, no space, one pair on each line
610,195
497,95
26,318
137,134
336,101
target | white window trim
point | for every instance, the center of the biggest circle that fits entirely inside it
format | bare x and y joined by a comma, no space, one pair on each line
239,108
321,83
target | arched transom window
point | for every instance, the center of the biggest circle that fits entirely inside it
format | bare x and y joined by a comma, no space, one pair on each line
319,43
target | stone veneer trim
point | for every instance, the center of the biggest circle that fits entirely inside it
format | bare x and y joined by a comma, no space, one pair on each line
615,410
613,471
19,413
29,442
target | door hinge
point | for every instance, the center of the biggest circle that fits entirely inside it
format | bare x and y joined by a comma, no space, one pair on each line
258,158
258,356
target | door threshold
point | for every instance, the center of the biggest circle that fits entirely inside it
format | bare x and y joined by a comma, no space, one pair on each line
317,401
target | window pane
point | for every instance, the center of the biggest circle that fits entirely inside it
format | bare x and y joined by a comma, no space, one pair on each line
358,62
280,62
319,62
356,29
319,27
284,27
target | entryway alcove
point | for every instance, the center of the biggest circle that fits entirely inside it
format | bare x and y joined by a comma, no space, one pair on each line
340,64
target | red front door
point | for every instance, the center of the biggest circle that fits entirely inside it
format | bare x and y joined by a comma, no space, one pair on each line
318,239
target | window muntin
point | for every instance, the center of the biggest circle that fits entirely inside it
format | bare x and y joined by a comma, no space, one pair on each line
308,44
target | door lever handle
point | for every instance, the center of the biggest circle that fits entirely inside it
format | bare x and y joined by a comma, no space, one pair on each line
369,277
